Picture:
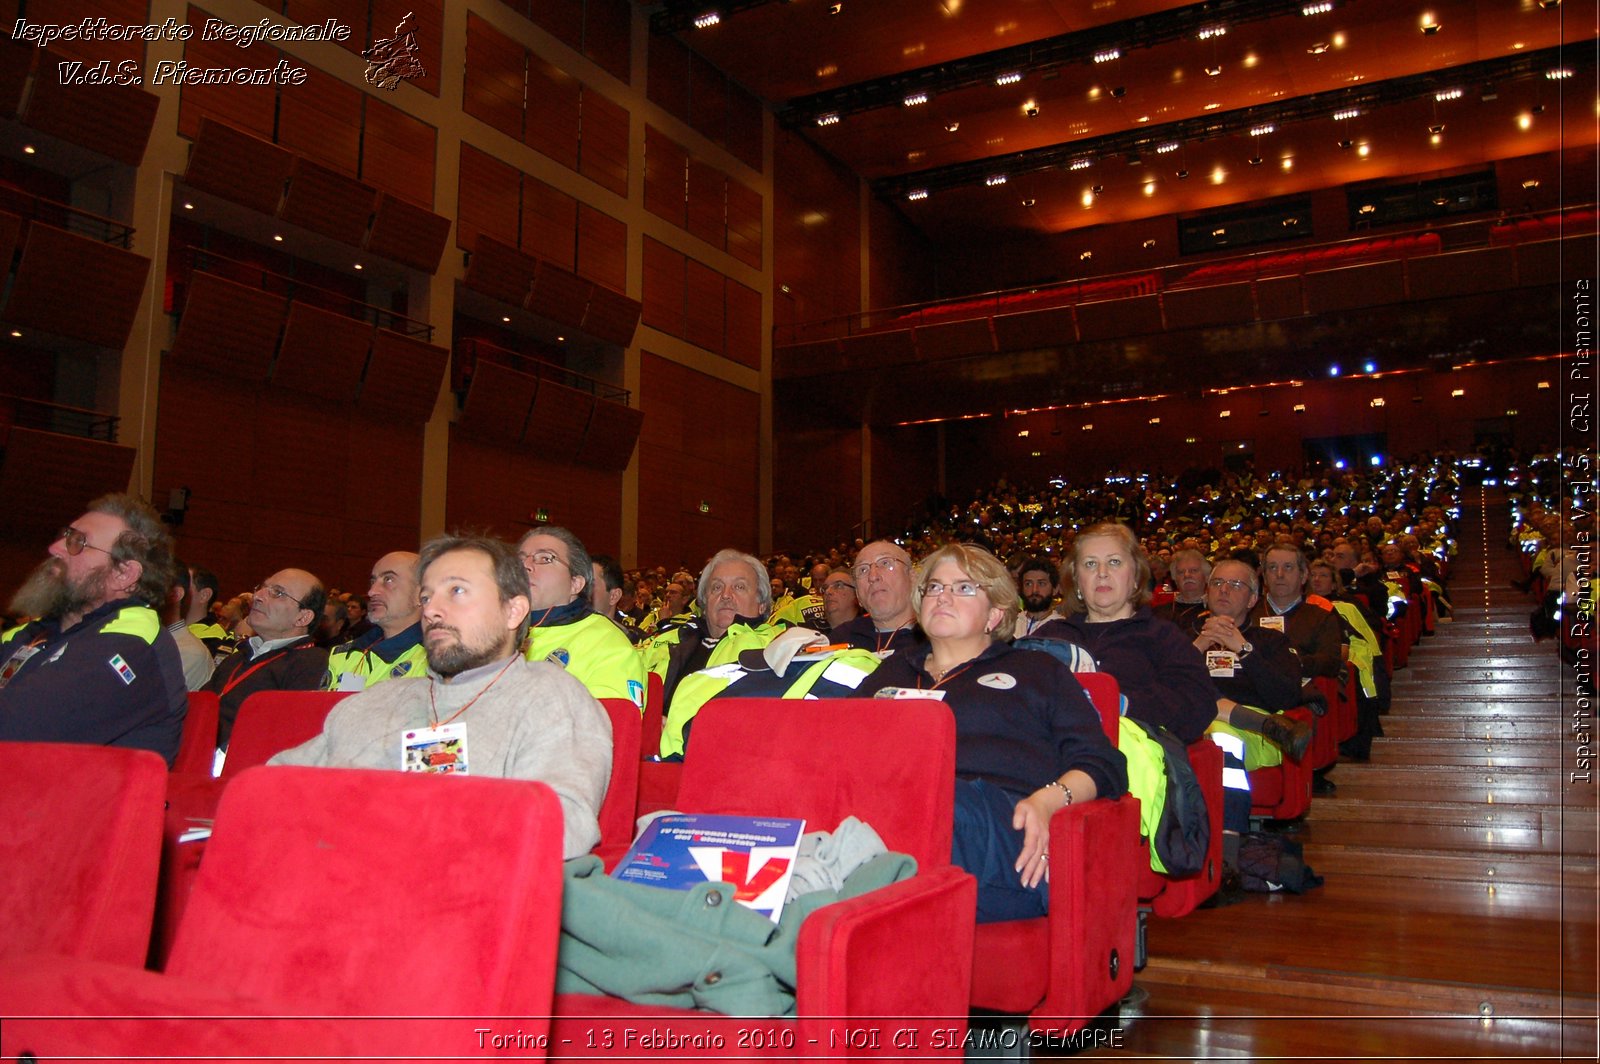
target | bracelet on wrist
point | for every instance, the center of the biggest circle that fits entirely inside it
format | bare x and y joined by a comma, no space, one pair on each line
1064,790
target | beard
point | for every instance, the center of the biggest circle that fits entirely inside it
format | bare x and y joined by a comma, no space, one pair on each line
1037,603
49,595
451,658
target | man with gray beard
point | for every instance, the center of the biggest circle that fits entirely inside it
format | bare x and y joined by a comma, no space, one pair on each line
96,667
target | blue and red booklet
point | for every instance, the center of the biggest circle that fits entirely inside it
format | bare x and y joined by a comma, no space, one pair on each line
683,850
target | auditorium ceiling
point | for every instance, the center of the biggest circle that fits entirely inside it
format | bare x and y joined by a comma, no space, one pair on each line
1153,101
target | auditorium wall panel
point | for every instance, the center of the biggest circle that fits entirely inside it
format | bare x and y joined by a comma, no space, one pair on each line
602,248
397,153
817,232
321,120
817,468
698,445
500,489
489,200
495,84
549,223
284,479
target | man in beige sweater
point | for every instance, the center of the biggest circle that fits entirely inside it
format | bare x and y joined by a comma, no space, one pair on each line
484,710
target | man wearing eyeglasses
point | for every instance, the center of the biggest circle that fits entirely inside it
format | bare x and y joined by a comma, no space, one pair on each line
883,587
95,667
564,628
281,655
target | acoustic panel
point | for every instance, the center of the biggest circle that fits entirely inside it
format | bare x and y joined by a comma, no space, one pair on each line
558,421
73,286
327,202
56,474
397,152
1119,317
1279,297
237,166
322,353
498,401
501,271
488,200
16,63
611,317
229,327
408,234
954,339
559,295
613,434
603,146
403,377
114,120
1035,329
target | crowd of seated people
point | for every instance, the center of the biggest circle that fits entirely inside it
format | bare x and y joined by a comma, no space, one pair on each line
1214,600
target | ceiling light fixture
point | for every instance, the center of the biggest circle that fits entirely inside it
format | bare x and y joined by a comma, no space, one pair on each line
1428,24
29,149
1182,175
1030,109
951,127
1010,77
707,20
917,194
1079,164
1084,256
1318,48
1346,144
1346,114
1212,31
1097,189
1532,182
1149,243
1261,131
1029,202
1363,150
1436,128
1558,74
1255,160
1317,9
277,238
1108,55
1169,146
506,318
1214,71
1447,94
829,119
915,99
995,179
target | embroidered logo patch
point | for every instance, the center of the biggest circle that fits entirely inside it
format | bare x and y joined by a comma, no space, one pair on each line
1000,681
122,668
559,656
400,670
636,692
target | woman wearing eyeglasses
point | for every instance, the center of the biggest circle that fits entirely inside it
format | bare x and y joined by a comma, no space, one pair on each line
1028,741
1106,595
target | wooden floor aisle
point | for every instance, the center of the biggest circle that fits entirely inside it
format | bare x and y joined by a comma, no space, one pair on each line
1458,919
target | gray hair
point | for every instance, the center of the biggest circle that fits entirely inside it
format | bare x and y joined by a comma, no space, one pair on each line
579,563
728,554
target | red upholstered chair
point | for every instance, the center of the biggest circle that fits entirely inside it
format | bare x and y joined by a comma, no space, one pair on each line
1064,969
904,951
331,893
80,850
198,746
1283,791
1160,894
655,709
622,793
269,722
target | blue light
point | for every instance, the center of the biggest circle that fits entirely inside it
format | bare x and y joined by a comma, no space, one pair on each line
1339,464
1369,367
1377,460
1333,370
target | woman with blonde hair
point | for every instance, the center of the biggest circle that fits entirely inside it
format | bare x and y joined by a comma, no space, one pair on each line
1028,741
1105,596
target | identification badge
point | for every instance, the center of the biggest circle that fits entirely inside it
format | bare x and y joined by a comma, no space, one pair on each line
909,692
441,749
1221,662
1272,621
16,662
351,681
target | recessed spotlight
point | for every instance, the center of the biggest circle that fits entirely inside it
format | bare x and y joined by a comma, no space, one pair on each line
1366,208
561,339
1030,109
188,206
1169,146
1369,367
1458,393
1525,121
1447,94
1155,421
358,266
1333,370
29,149
1287,162
1212,31
1321,8
16,334
1428,24
1346,114
1211,106
278,239
1218,175
1080,164
1214,70
1363,150
1219,232
1149,243
1150,188
951,127
1558,74
1263,130
1546,5
1029,202
1087,199
1532,182
1225,413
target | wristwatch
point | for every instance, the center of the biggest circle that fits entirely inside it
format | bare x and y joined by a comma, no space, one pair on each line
1244,650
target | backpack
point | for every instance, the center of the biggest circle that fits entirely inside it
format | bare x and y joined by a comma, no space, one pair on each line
1182,834
1270,864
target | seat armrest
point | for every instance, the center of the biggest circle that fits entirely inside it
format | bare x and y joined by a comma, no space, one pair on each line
902,951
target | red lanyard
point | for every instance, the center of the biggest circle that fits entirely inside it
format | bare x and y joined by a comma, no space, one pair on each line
240,677
433,708
947,677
